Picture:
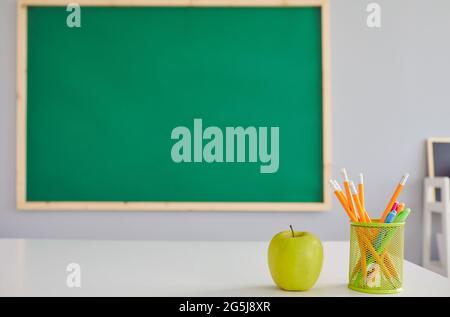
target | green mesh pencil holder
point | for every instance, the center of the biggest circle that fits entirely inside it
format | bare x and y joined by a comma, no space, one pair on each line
376,257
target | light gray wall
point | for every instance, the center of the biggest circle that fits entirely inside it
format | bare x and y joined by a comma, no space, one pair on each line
390,91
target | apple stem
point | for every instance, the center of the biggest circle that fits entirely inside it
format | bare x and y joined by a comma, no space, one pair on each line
292,230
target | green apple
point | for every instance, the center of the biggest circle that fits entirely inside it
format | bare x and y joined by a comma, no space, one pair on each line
295,260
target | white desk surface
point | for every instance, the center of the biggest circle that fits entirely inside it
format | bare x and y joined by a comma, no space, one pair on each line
150,268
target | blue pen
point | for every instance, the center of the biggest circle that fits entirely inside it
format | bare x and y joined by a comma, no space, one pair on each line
391,216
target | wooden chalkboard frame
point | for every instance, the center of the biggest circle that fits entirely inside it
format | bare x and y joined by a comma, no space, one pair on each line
430,153
23,204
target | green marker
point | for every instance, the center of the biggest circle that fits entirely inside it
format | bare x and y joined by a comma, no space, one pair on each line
401,217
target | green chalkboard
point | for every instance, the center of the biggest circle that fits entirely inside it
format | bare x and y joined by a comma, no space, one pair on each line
103,100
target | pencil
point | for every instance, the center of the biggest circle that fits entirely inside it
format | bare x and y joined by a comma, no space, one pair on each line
394,197
360,209
361,190
340,196
348,194
361,196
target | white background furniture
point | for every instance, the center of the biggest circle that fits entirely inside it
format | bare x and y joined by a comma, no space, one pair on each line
143,268
441,207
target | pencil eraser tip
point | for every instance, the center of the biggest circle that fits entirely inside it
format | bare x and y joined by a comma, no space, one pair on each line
344,173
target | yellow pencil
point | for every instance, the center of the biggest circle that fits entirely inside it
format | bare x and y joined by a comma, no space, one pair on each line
394,197
348,194
340,196
361,190
362,215
361,196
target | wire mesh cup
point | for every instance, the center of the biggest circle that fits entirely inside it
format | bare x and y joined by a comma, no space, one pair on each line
376,257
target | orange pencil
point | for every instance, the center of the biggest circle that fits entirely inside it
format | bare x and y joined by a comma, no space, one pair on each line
348,194
340,196
361,190
360,209
394,197
367,215
361,196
